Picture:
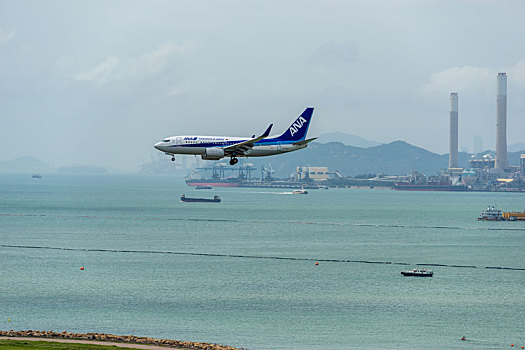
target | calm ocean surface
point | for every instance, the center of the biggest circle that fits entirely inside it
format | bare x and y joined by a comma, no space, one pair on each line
138,283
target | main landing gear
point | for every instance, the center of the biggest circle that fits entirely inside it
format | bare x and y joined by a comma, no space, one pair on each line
233,161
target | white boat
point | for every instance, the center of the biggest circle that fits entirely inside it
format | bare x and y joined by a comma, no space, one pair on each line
418,273
300,191
491,214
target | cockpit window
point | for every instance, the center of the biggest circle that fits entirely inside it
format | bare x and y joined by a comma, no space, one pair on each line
166,140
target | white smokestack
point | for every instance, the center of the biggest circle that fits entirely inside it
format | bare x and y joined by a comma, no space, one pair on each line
453,154
501,126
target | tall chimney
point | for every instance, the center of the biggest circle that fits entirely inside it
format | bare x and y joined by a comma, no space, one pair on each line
453,154
501,126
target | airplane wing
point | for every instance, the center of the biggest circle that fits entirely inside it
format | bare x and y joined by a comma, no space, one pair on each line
243,147
304,142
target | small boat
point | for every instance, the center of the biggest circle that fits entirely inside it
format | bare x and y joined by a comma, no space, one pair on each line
418,273
36,176
491,214
300,191
203,187
215,199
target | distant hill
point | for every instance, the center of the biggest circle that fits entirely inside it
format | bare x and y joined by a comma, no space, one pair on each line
514,157
516,147
346,139
82,169
396,158
25,165
31,165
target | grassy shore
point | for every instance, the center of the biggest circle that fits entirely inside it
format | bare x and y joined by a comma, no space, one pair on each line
8,344
132,340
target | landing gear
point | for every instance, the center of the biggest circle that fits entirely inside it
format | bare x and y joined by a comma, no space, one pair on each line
172,159
233,161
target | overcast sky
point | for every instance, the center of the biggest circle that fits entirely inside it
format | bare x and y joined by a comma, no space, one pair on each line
99,82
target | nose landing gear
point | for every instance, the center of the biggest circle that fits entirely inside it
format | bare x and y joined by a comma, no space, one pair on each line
233,161
172,159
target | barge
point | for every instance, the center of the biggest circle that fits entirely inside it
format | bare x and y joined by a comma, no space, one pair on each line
215,199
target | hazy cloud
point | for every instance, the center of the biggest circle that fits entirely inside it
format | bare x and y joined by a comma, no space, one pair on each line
335,53
516,74
466,79
5,36
176,90
114,69
100,72
473,80
155,61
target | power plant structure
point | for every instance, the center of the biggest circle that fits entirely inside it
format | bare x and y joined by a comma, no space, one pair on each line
500,160
453,154
501,123
485,172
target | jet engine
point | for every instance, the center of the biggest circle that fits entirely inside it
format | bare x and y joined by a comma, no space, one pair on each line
213,154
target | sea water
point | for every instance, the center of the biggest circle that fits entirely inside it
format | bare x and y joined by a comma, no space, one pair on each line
243,272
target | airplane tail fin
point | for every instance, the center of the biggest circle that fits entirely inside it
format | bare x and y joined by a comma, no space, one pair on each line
297,131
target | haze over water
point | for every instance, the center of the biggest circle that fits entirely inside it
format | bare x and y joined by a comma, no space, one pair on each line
147,272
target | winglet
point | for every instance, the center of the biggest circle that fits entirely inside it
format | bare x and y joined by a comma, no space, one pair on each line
267,132
248,144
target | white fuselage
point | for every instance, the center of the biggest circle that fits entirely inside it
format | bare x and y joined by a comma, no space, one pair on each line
198,145
218,147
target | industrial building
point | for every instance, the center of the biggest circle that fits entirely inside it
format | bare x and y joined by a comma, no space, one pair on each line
303,173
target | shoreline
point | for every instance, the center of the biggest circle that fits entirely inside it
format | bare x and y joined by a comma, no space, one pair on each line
129,341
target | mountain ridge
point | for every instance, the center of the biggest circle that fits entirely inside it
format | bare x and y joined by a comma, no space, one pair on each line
394,158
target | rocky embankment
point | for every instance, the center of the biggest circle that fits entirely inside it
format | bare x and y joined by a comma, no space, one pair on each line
117,338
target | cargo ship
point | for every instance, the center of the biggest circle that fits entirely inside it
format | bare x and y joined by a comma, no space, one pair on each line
228,182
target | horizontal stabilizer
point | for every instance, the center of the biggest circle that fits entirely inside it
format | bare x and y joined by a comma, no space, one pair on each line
304,142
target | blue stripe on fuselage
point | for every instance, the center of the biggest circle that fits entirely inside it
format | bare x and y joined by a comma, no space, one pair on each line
268,142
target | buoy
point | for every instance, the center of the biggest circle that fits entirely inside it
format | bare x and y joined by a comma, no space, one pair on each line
316,263
8,320
523,347
82,268
511,344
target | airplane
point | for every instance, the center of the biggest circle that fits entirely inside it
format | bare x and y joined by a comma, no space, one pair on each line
218,147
